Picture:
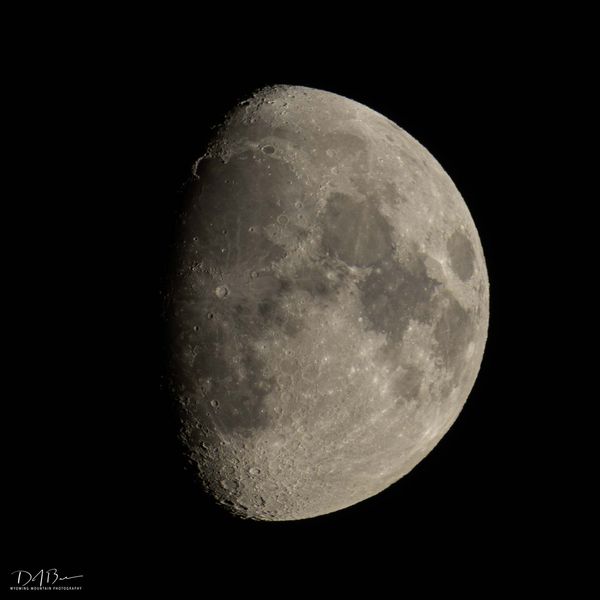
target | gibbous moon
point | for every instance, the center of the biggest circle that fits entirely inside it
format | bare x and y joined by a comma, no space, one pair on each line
328,309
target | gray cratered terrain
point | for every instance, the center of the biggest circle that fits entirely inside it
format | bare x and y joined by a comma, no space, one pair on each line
329,308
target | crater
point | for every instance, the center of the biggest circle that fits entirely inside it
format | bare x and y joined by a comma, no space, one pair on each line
222,291
462,256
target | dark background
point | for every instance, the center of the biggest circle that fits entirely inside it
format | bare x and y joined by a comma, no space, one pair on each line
95,482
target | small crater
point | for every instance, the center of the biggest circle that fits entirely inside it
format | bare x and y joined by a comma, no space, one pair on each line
282,220
214,403
254,471
222,292
210,316
268,149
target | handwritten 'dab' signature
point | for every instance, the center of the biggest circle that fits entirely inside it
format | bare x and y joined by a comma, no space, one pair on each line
42,577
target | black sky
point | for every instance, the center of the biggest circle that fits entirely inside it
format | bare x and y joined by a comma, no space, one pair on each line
95,483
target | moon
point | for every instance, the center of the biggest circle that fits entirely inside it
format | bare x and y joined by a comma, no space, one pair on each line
328,308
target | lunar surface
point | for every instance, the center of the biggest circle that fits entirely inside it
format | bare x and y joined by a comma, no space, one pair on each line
328,309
